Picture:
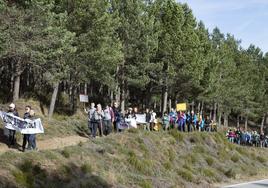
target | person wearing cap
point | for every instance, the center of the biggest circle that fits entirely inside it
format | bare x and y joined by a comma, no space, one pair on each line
11,133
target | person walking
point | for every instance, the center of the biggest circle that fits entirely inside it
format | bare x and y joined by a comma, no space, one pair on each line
107,120
98,117
90,113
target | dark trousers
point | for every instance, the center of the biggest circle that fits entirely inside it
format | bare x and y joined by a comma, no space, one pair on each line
25,141
107,127
32,141
97,125
90,125
11,137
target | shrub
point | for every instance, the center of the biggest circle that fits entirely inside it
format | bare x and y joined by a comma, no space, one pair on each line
185,174
241,150
171,155
208,173
146,184
209,160
65,153
230,173
199,149
176,134
261,159
235,158
167,165
86,168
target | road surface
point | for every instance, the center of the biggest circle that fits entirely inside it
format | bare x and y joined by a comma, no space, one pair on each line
253,184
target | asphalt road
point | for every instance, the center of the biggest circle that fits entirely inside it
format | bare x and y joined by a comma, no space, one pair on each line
253,184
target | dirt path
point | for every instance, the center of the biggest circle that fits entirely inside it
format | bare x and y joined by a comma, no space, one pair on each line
52,143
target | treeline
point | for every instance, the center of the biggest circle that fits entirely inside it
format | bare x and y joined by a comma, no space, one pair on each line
146,53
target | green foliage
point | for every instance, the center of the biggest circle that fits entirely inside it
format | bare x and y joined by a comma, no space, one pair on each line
230,173
235,158
66,153
86,168
185,174
146,184
261,159
176,134
209,160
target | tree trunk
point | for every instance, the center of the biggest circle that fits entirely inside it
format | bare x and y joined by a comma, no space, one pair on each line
262,123
237,121
225,122
53,100
246,123
214,112
169,104
160,106
16,90
123,101
219,119
202,107
117,96
85,89
165,102
198,108
193,106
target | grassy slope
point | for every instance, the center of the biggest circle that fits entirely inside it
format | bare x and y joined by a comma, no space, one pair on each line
136,159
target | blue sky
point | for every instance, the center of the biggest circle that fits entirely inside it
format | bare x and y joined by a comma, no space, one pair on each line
245,19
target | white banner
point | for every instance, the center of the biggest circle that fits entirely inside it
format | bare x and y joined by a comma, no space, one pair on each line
140,119
24,126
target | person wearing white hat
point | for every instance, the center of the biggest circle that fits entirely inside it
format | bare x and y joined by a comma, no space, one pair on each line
11,133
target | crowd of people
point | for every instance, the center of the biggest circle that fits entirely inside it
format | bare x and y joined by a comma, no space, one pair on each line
249,138
111,118
29,140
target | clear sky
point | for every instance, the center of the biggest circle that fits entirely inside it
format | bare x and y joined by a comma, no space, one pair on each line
245,19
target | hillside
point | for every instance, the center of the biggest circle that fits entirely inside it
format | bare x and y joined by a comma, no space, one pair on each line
136,159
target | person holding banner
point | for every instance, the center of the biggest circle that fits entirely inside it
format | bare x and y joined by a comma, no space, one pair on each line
11,133
32,140
26,136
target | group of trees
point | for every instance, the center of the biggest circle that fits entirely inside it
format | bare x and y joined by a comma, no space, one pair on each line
146,53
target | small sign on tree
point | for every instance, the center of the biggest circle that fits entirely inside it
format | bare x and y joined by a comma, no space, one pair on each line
181,107
83,98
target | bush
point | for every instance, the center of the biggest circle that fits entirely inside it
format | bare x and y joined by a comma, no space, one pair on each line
66,153
176,134
185,174
167,165
199,149
261,159
146,184
235,158
230,173
171,155
209,160
208,173
86,168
